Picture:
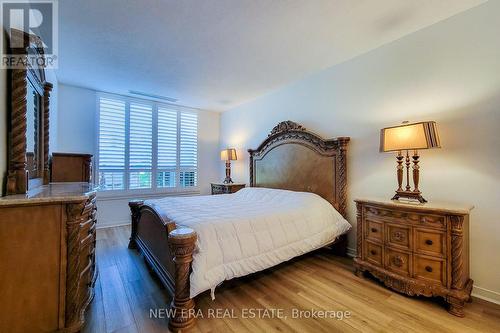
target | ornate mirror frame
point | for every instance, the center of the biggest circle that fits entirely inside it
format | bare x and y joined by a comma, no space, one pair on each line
18,180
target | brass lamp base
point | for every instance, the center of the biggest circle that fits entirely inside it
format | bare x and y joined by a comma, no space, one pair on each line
414,194
228,179
410,195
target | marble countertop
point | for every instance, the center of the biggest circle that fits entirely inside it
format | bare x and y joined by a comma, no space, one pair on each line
53,192
447,207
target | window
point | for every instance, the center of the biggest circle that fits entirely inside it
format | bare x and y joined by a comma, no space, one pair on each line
146,145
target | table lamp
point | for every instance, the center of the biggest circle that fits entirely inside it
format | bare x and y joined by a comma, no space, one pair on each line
228,155
406,137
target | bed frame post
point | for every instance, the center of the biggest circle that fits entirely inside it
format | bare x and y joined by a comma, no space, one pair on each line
182,243
342,178
135,210
340,246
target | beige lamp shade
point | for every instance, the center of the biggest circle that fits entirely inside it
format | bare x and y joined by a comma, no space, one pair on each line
423,135
228,154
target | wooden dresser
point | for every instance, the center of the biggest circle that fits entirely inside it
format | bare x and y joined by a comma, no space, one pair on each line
47,256
71,167
221,188
416,249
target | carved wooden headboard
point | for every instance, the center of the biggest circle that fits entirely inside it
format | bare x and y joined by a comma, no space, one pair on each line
293,158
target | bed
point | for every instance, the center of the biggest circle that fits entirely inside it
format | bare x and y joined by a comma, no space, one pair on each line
296,203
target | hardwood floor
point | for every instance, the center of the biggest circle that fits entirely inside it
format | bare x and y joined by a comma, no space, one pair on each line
126,293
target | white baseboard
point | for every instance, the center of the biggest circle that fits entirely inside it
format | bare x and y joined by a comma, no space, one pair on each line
486,294
351,252
104,225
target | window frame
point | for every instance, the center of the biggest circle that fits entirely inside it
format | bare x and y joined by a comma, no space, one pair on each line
127,191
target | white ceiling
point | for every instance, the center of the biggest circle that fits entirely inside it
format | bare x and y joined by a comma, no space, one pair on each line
216,54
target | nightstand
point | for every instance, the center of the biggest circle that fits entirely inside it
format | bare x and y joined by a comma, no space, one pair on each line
221,188
416,249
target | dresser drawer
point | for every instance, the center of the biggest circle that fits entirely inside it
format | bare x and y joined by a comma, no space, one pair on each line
397,261
374,231
374,253
429,268
218,189
398,235
384,214
432,221
430,242
226,188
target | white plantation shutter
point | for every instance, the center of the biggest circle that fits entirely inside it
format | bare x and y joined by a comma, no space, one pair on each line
111,143
167,147
146,145
141,145
188,148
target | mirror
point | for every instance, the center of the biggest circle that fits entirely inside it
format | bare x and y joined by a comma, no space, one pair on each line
33,114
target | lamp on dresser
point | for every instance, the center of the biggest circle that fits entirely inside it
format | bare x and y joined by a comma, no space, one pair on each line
406,137
228,155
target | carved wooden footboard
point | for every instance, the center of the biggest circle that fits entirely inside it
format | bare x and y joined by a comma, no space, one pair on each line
169,252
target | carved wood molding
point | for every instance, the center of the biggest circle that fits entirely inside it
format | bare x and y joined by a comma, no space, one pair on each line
341,181
401,284
17,180
47,88
288,132
456,250
73,220
135,212
359,230
182,244
286,126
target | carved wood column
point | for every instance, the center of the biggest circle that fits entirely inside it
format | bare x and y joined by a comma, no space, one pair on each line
182,243
73,220
88,169
17,180
47,88
359,230
456,250
359,238
135,210
342,169
456,301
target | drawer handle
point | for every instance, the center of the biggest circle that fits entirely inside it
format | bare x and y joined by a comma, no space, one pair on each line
398,236
428,268
373,252
374,230
397,261
428,242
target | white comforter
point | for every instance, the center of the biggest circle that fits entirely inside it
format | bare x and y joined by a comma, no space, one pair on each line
251,230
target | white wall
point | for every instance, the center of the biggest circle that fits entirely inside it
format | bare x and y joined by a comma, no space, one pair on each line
77,133
76,120
51,77
450,73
